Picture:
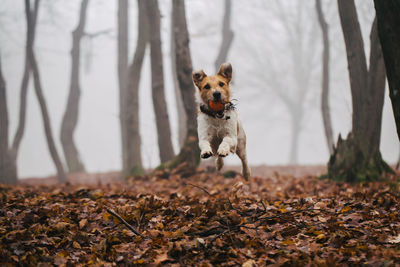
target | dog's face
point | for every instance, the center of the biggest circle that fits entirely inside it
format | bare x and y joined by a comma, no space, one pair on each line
214,88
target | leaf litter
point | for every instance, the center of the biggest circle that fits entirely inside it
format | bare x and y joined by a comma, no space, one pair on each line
203,220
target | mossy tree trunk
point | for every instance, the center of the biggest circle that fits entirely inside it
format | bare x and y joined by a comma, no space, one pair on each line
358,157
190,152
178,96
157,82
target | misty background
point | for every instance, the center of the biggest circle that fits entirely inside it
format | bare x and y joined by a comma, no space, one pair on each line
276,55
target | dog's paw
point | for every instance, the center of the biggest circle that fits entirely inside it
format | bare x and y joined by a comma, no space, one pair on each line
223,151
206,154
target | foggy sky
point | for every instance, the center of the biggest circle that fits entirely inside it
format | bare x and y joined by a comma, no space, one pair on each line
257,32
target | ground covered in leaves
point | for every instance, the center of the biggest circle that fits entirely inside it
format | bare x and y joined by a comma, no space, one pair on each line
203,220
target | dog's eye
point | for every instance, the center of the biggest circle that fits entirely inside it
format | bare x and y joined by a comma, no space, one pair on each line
207,86
221,84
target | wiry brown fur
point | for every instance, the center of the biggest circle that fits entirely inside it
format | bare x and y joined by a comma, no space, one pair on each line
219,82
224,135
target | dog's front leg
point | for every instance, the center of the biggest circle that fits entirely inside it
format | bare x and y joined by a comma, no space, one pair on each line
205,148
227,145
204,142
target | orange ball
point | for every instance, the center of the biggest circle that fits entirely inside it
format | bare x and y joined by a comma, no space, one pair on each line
216,105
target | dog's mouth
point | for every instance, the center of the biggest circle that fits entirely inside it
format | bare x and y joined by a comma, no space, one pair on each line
216,106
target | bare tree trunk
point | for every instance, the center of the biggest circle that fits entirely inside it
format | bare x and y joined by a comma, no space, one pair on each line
123,6
8,174
42,103
189,153
70,118
358,157
325,110
178,96
227,36
387,13
157,81
30,37
294,143
133,153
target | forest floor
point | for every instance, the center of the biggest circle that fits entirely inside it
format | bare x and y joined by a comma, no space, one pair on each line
205,219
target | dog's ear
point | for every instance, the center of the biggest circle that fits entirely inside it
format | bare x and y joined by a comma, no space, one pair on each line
198,76
225,70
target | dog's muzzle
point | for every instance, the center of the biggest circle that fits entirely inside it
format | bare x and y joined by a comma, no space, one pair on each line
217,95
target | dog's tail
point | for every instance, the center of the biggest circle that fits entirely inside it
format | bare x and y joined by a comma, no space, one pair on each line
219,163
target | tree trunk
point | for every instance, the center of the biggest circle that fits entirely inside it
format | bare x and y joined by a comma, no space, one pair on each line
42,103
157,81
190,152
178,96
123,6
70,118
227,36
8,174
387,13
358,157
325,110
133,153
30,37
294,143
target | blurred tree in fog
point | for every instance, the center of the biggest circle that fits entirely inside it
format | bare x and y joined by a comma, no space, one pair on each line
227,36
31,17
325,110
122,20
8,173
133,161
157,81
358,157
129,79
292,75
189,153
70,118
11,172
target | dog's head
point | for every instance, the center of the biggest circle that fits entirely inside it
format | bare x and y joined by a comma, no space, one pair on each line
214,88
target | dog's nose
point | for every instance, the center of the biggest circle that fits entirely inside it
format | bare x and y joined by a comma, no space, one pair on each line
217,95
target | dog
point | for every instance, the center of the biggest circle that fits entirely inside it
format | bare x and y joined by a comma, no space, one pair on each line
219,128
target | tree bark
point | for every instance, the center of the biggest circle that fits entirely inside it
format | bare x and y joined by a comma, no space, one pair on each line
70,118
157,81
178,96
189,153
358,157
325,110
133,153
8,173
42,103
123,6
227,36
387,13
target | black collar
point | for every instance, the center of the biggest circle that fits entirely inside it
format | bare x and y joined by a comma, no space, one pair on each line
219,114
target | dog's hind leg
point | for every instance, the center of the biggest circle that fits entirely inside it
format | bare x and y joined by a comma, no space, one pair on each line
241,152
219,163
